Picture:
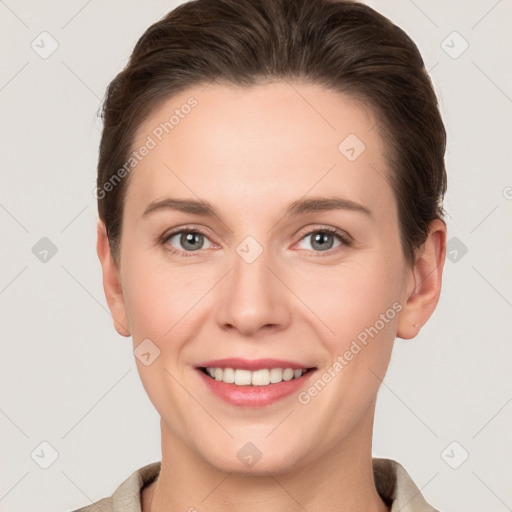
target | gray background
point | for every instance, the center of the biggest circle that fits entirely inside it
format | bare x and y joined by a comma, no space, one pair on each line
69,380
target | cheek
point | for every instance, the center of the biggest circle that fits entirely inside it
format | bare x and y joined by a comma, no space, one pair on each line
360,303
160,298
163,306
354,296
151,301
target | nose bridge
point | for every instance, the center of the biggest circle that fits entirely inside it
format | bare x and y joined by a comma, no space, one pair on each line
253,297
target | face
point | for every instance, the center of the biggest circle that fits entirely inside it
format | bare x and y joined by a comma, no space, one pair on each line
261,244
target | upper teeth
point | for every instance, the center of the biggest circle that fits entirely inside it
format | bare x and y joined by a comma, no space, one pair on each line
256,378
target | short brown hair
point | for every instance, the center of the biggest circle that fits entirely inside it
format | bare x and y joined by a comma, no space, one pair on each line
340,44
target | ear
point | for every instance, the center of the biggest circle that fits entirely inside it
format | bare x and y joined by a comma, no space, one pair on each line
425,282
112,282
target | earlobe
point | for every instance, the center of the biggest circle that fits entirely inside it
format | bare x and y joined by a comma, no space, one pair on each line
111,282
426,277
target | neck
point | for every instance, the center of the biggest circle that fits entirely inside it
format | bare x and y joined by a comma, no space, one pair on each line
341,479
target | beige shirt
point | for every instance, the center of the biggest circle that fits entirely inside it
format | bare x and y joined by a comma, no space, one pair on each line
393,483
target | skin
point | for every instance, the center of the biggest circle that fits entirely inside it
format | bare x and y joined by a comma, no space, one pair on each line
250,152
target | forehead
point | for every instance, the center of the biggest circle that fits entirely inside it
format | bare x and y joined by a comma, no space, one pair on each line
264,144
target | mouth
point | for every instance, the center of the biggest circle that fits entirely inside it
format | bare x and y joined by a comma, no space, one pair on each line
253,383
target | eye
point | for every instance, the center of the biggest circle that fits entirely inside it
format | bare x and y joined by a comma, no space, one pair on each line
325,239
187,240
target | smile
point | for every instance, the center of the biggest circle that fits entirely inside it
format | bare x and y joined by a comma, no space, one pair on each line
253,383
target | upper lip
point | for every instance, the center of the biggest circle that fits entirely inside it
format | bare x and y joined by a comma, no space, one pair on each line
253,364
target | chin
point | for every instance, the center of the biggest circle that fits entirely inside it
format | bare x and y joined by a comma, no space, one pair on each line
254,458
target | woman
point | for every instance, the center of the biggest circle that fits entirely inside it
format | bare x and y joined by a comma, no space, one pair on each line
270,187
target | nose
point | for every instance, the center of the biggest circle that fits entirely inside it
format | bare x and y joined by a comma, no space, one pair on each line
253,298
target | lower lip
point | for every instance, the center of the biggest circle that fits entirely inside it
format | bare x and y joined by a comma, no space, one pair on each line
254,396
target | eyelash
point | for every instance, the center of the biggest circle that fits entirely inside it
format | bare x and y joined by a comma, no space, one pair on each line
344,238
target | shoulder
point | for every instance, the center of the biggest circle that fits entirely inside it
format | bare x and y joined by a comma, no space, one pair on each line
103,505
396,487
128,496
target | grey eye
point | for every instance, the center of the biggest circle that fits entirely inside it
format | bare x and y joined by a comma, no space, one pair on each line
188,240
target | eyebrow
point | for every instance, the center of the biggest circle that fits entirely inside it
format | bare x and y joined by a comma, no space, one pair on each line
296,208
